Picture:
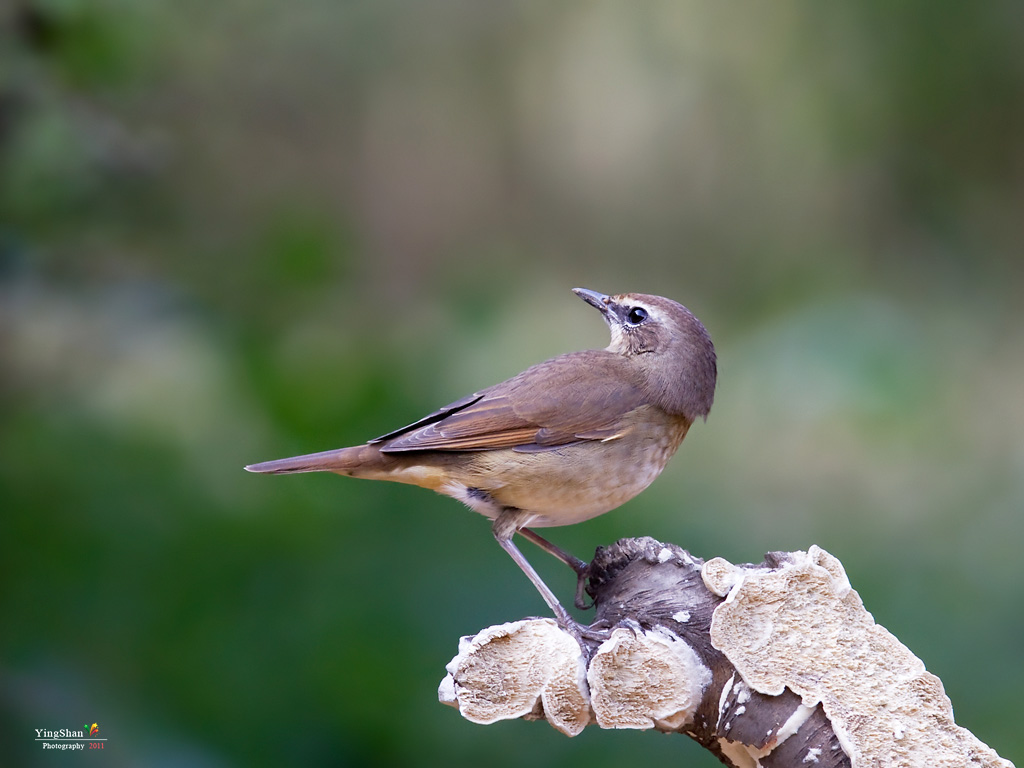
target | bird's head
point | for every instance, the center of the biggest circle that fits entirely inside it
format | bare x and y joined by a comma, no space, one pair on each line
669,346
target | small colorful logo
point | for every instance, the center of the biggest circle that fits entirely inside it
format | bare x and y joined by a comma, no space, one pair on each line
92,730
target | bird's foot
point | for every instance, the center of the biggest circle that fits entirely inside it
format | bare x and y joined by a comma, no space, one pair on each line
581,589
584,635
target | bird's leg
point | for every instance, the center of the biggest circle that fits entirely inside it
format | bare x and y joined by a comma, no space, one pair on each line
504,527
571,560
581,568
565,621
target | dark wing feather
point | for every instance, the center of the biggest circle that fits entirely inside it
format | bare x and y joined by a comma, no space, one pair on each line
430,418
580,396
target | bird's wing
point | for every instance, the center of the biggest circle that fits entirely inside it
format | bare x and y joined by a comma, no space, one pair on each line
580,396
430,418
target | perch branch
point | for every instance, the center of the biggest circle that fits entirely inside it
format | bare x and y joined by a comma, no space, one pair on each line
774,664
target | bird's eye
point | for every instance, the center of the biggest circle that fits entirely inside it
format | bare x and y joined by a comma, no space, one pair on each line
636,316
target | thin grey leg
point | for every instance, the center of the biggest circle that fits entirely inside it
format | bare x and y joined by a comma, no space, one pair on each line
561,615
571,560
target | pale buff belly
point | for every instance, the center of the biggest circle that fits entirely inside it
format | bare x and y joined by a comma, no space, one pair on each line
570,484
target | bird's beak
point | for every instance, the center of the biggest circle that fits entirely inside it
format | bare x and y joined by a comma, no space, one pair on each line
595,299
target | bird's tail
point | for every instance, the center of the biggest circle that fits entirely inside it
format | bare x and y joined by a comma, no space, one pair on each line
343,461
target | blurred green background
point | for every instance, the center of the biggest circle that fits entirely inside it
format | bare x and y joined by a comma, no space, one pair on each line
237,231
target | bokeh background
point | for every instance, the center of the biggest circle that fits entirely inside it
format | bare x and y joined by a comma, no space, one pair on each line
237,231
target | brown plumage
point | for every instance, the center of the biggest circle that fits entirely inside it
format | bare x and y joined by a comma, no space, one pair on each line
565,440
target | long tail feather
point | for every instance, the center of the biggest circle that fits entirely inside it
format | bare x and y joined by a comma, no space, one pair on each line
342,460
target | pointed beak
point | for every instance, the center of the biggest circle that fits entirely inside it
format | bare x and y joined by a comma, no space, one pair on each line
595,299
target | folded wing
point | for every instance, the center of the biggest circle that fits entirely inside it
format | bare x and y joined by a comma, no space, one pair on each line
580,396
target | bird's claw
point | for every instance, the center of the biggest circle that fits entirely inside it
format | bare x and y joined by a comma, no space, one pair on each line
581,585
583,634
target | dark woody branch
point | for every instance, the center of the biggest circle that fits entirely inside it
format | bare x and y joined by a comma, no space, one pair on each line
775,664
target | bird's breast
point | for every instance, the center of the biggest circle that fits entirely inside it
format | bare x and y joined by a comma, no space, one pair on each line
575,482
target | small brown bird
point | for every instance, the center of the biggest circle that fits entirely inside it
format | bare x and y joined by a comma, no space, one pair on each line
562,442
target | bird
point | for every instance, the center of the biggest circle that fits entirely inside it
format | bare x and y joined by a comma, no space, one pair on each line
564,441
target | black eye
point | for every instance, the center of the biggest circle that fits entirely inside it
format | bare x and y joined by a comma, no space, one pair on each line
636,316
